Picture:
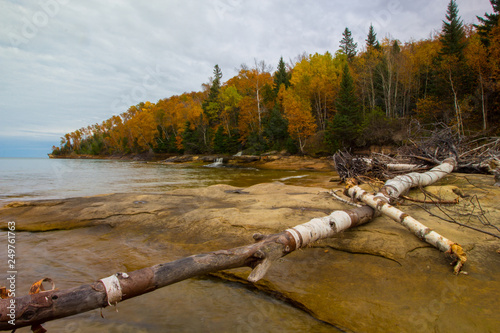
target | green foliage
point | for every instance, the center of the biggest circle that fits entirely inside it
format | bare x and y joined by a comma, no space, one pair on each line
488,22
225,144
255,144
276,130
340,133
212,111
192,140
371,40
292,146
453,37
347,101
281,76
165,143
212,106
347,45
378,129
344,128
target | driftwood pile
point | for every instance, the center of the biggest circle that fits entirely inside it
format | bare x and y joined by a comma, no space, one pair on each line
473,155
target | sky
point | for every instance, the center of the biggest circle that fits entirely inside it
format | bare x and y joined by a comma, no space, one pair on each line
67,64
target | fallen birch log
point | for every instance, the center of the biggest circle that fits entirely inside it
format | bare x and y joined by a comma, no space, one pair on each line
38,308
397,186
394,166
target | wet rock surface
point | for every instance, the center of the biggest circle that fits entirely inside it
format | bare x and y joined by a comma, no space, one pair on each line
374,278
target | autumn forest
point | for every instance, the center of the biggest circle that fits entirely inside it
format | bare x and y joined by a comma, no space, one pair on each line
317,104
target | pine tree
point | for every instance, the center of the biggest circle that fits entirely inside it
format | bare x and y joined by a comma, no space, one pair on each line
215,88
453,36
395,47
276,129
371,40
488,22
347,44
344,129
212,106
347,102
281,76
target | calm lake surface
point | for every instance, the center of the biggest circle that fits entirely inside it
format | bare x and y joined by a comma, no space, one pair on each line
43,178
80,256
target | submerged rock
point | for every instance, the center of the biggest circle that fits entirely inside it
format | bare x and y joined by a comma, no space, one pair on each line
374,278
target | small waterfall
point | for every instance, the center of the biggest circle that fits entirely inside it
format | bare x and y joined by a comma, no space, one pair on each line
217,163
238,154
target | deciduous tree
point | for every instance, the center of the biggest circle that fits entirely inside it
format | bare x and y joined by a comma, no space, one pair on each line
301,124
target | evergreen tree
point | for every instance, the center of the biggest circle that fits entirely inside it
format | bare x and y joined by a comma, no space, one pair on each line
276,129
344,129
281,76
215,89
347,44
212,106
395,47
488,22
453,36
347,102
225,144
371,40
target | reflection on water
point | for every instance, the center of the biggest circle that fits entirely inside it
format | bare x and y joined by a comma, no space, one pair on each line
80,256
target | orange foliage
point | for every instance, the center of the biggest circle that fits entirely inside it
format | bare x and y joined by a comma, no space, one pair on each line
301,124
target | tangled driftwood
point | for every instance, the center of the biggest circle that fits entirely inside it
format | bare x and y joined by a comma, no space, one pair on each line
475,154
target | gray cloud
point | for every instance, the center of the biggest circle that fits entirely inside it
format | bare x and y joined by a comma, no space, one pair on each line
68,64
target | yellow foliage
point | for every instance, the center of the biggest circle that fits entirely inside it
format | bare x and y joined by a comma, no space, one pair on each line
301,124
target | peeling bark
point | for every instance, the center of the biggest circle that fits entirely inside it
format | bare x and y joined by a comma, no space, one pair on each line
397,186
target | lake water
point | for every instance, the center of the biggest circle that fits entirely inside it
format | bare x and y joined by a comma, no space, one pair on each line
80,256
43,178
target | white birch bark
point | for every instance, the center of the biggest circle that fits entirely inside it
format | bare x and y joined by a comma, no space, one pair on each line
395,187
320,228
396,166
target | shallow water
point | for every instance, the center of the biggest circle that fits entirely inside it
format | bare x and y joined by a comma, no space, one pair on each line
36,178
80,256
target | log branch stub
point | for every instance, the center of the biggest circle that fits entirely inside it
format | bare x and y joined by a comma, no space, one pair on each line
258,237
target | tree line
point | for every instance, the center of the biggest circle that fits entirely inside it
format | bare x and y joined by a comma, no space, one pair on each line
319,103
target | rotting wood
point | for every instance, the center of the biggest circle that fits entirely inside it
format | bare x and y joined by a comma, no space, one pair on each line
44,306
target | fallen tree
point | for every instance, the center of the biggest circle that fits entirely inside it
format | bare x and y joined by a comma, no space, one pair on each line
397,186
42,306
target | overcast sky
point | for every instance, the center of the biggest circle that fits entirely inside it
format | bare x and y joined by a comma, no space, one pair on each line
65,64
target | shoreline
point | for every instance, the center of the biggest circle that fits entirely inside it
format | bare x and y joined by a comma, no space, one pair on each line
270,162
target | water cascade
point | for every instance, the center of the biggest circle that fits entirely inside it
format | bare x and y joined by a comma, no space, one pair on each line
217,163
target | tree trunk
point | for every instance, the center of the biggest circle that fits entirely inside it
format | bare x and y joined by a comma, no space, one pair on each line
483,107
397,186
458,113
